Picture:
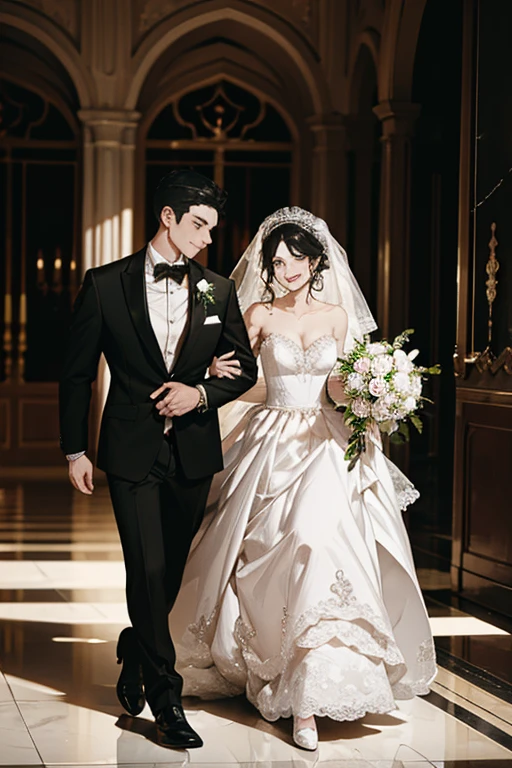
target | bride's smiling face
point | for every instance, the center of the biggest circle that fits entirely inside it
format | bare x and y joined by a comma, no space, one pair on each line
292,270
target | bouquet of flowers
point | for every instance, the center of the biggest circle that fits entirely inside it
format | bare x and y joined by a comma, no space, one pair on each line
383,387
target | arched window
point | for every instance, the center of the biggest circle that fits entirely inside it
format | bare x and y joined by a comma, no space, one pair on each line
38,233
235,138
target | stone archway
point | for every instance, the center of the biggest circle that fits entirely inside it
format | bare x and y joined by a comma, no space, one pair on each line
239,138
279,40
275,60
398,49
42,29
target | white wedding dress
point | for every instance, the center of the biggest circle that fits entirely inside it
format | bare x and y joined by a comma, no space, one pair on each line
300,590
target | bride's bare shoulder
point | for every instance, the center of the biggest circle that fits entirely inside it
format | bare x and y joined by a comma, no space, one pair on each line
257,309
256,314
334,308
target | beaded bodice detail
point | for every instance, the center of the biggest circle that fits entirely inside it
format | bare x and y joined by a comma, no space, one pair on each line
295,377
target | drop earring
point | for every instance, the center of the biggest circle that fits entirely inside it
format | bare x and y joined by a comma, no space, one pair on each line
317,280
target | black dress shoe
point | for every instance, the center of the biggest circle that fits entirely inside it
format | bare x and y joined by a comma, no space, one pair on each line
130,689
173,730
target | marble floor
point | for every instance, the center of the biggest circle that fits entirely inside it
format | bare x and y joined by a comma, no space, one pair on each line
62,607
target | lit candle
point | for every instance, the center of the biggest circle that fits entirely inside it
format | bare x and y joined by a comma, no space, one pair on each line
40,269
57,270
72,279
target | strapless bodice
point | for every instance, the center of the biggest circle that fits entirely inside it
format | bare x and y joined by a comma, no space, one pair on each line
295,377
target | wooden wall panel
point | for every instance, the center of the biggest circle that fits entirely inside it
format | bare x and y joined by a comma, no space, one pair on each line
29,425
482,552
488,467
5,424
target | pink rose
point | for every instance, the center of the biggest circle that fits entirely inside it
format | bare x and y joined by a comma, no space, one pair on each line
377,387
362,365
361,408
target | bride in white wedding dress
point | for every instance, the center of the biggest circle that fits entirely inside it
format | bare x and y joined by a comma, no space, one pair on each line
300,590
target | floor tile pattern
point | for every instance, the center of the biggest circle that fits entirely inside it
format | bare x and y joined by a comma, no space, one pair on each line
62,607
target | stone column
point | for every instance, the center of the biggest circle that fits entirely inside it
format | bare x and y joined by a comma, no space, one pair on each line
362,144
108,200
397,120
109,165
329,176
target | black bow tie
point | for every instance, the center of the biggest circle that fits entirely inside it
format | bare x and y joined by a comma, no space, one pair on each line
175,271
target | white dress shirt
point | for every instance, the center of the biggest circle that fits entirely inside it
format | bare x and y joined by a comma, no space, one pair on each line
168,310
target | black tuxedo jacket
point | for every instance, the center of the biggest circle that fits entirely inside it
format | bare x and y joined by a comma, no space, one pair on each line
111,316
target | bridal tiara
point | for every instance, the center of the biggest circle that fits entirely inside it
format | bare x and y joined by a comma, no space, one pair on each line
296,215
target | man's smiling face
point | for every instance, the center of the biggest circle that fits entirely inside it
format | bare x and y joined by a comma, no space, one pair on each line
193,232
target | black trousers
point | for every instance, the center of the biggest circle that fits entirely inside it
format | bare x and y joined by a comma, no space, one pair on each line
157,519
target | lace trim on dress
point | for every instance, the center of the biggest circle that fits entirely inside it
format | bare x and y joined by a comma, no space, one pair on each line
314,690
341,618
202,676
405,491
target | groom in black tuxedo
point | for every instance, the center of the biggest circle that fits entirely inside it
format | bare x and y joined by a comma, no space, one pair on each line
159,318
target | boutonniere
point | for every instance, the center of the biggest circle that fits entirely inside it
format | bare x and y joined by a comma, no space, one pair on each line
205,293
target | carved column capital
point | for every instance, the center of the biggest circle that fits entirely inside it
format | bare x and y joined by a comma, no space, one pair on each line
322,125
110,127
398,118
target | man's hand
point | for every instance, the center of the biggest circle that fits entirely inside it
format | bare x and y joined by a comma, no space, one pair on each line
225,366
179,400
80,474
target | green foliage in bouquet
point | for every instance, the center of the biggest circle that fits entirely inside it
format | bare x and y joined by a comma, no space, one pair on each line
383,388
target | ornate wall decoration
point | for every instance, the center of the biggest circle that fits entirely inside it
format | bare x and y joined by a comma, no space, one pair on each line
304,8
150,12
65,13
487,360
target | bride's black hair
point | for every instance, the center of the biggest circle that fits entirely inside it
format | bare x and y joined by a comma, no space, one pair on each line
300,242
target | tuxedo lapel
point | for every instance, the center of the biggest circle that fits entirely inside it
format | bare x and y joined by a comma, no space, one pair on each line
134,287
196,315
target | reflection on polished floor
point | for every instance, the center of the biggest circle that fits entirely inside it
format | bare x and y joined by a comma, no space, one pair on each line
62,607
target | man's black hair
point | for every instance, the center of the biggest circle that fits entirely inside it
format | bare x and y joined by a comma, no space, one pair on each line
181,189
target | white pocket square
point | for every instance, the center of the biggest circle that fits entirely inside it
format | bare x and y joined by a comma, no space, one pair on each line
211,320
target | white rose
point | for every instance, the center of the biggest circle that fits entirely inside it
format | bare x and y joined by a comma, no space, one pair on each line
410,404
416,386
361,408
203,285
401,382
377,387
380,411
413,354
376,349
382,365
389,400
355,381
402,362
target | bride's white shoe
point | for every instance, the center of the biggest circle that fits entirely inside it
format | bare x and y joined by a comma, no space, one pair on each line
306,738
